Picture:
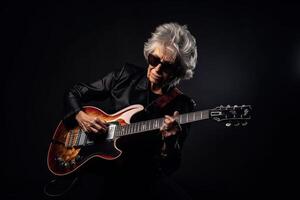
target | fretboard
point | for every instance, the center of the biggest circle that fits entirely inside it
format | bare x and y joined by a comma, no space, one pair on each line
153,124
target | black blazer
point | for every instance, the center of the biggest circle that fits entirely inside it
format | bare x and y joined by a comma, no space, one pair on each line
126,86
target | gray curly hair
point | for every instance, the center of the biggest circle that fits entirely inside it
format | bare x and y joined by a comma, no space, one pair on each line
179,40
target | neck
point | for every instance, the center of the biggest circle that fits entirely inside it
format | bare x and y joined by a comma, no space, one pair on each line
156,89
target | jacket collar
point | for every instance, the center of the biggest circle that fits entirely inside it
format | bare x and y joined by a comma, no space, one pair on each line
143,83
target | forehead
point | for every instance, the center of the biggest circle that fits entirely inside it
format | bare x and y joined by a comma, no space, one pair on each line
164,53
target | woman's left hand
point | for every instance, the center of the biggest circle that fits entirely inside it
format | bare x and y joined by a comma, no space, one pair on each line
170,125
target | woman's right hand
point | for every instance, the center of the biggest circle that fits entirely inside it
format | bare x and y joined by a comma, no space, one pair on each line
90,123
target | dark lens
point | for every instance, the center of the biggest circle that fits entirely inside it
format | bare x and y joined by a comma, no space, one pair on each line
169,68
153,60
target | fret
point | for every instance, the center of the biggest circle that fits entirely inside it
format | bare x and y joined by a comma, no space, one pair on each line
134,127
70,138
121,130
153,124
184,118
85,139
78,138
143,127
160,123
116,133
197,116
181,119
118,129
157,123
82,137
130,129
138,127
145,124
149,125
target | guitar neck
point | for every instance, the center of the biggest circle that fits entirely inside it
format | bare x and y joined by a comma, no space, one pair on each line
154,124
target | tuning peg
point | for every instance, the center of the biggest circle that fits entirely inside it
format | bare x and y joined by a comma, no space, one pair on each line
236,124
228,124
221,107
246,111
244,123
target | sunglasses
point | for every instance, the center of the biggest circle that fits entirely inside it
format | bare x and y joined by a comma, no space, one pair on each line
165,66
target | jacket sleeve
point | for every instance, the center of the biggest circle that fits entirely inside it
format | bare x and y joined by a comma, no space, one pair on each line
172,147
84,92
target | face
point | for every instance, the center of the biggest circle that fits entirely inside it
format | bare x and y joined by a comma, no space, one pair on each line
161,66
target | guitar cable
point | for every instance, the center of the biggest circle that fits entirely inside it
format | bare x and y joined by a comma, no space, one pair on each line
53,181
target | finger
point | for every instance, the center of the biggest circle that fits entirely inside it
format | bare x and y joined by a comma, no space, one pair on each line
93,129
101,123
176,114
95,125
169,118
167,121
163,127
84,128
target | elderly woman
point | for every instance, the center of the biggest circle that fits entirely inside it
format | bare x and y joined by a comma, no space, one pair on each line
171,55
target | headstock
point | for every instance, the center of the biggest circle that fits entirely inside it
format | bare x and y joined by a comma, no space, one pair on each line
232,115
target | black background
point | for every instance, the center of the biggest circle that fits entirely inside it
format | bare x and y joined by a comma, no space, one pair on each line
248,54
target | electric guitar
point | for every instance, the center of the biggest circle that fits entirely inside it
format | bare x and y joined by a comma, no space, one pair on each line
71,147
